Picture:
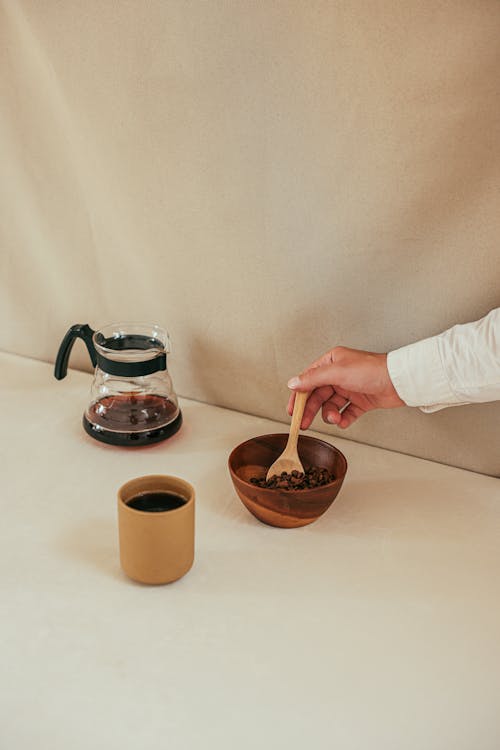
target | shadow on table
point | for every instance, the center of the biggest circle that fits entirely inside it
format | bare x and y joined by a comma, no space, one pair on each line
367,508
409,508
363,508
95,543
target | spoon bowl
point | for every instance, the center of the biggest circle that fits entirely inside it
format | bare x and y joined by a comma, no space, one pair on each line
289,460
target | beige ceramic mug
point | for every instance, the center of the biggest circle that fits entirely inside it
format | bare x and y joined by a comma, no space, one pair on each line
156,545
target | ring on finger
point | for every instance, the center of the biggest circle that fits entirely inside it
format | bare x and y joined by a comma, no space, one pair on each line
344,407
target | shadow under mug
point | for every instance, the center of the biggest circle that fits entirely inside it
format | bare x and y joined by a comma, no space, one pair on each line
156,547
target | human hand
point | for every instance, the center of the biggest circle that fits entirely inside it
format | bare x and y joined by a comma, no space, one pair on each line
342,375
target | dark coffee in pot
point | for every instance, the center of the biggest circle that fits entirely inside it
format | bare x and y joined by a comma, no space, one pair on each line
132,419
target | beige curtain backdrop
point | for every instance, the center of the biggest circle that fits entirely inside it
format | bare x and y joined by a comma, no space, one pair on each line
265,179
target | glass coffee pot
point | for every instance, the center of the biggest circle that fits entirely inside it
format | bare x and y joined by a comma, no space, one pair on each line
132,397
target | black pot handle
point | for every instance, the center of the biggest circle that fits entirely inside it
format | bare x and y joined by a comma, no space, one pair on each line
78,331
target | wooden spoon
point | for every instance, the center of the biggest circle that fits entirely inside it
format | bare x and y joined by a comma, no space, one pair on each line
289,460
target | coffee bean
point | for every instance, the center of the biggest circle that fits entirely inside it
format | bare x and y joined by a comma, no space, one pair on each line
314,476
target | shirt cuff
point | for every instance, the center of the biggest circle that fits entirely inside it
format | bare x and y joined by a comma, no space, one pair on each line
419,377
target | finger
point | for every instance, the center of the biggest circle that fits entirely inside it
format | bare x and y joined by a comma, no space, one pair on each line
343,393
351,414
331,408
316,377
314,403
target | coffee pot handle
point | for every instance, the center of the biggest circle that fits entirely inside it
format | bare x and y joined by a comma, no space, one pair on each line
78,331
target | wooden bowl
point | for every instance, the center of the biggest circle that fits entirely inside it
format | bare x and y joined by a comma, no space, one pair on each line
278,507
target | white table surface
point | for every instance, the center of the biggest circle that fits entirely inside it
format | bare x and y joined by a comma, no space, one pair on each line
376,627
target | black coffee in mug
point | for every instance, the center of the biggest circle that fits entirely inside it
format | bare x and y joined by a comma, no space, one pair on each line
156,502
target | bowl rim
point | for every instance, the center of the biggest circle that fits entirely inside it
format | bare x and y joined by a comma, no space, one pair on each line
273,489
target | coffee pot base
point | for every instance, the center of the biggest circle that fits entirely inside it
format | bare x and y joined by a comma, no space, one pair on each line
132,439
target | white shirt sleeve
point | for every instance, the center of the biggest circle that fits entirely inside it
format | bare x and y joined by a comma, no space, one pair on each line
459,366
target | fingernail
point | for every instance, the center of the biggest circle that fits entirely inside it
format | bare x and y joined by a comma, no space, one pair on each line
331,418
293,382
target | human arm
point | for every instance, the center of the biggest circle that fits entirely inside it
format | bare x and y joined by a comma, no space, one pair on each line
459,366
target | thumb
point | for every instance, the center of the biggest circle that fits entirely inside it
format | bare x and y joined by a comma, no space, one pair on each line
315,378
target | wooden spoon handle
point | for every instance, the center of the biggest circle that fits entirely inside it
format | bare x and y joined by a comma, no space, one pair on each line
298,412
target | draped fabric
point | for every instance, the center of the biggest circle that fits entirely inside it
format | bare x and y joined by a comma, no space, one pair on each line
264,179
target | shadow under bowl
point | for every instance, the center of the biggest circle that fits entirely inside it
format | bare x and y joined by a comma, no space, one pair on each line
278,507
